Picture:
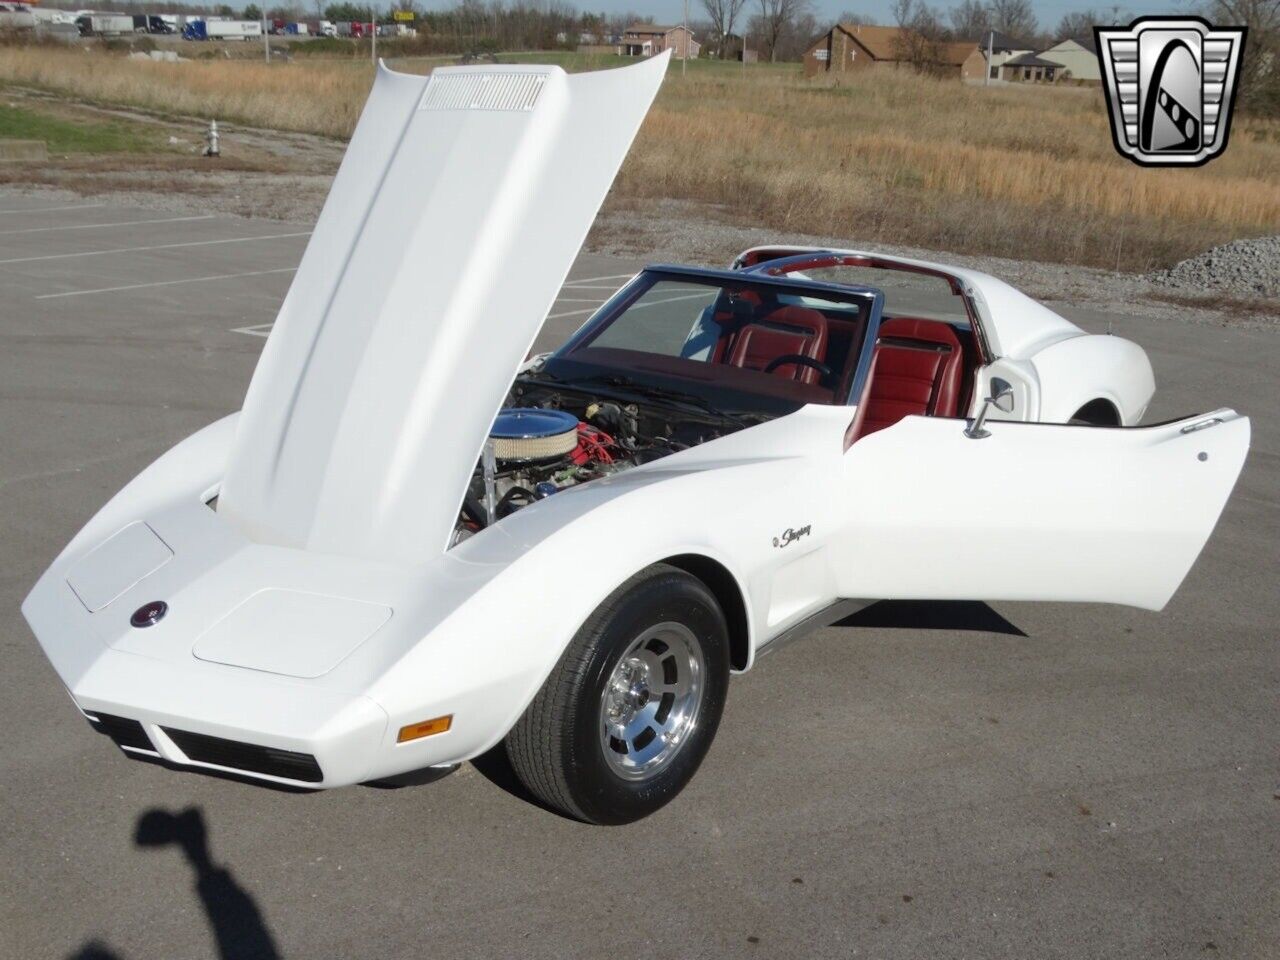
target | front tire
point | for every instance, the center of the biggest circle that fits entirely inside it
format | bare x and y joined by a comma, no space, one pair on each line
630,709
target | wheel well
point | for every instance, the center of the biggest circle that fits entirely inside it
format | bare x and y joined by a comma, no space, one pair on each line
724,587
1100,413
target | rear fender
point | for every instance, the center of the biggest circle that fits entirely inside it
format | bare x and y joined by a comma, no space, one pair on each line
1080,370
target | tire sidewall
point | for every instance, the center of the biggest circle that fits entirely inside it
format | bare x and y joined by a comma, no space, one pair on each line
602,795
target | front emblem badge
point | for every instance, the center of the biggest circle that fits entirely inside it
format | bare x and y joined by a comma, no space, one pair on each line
149,614
1170,84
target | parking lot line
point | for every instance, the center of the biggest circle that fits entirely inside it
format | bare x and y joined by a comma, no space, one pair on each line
97,226
585,280
164,283
79,206
160,246
571,313
257,330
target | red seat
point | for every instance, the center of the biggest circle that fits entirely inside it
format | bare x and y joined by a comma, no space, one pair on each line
787,330
917,370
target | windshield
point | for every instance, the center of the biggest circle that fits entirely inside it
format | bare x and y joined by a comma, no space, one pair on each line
742,344
906,293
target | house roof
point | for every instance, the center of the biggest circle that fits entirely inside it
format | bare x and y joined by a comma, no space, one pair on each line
954,54
883,44
1085,42
650,28
1031,60
1003,43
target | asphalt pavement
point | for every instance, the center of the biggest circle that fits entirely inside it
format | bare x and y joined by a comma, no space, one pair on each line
945,780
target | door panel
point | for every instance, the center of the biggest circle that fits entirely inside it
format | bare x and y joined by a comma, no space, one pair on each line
1034,511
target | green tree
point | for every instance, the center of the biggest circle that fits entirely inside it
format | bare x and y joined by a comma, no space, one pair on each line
252,12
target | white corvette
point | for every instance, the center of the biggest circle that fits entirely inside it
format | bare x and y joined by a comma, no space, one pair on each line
409,545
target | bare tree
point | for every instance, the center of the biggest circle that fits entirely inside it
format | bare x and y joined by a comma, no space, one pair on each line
854,16
1259,82
777,17
722,13
920,33
1078,24
1014,18
971,20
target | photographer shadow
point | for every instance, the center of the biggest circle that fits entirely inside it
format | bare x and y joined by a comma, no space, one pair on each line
235,920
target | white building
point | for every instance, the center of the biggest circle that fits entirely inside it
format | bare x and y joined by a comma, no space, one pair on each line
1079,55
1003,48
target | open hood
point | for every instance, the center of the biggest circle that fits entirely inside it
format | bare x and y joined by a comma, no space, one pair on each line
452,223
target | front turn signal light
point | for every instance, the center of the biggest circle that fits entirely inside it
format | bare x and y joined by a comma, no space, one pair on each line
426,728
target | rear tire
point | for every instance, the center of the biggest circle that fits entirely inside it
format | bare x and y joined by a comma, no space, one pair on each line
630,709
1096,413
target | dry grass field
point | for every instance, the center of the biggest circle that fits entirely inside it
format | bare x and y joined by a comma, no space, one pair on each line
1027,172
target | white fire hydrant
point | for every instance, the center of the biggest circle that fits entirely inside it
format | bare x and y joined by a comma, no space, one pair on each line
211,139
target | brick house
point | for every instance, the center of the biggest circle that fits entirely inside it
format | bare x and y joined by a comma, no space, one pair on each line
848,47
650,39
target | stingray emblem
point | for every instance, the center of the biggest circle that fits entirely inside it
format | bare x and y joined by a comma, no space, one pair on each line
791,535
1170,84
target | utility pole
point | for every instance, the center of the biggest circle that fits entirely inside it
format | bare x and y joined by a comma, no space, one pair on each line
684,61
991,36
266,37
373,25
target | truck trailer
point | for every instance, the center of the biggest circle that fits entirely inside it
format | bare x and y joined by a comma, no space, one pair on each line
221,29
104,24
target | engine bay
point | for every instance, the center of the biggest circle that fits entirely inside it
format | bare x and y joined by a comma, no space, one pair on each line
548,438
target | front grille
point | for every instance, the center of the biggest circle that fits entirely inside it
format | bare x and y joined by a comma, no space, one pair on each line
247,756
126,733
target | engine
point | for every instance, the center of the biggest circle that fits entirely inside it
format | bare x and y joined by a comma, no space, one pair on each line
537,450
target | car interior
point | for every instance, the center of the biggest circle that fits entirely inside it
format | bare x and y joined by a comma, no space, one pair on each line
921,366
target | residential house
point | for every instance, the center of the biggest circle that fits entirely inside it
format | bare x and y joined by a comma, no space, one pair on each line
847,47
1003,48
1031,68
650,39
1079,58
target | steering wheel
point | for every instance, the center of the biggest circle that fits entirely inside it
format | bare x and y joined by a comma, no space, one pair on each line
803,361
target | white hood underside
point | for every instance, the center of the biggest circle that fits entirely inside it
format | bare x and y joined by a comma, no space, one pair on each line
458,210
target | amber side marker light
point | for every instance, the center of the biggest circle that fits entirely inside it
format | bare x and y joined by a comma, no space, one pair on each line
427,728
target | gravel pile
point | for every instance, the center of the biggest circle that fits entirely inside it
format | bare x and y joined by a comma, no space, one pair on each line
1245,268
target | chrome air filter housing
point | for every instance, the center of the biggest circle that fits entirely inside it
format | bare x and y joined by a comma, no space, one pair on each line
530,434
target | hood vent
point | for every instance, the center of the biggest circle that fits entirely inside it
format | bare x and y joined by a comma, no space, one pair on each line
483,91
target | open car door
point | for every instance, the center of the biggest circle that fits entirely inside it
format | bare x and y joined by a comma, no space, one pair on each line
1033,511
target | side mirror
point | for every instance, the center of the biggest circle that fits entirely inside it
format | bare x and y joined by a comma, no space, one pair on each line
1001,398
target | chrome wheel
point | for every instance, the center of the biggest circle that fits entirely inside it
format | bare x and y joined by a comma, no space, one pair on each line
650,705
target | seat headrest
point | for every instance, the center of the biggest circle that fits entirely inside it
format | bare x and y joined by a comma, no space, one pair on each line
917,328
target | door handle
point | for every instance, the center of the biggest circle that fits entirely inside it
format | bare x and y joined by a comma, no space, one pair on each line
1202,424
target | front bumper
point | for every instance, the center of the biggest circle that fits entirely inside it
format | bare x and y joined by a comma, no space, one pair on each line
230,721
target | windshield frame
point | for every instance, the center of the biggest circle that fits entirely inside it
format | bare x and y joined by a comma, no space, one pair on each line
643,281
